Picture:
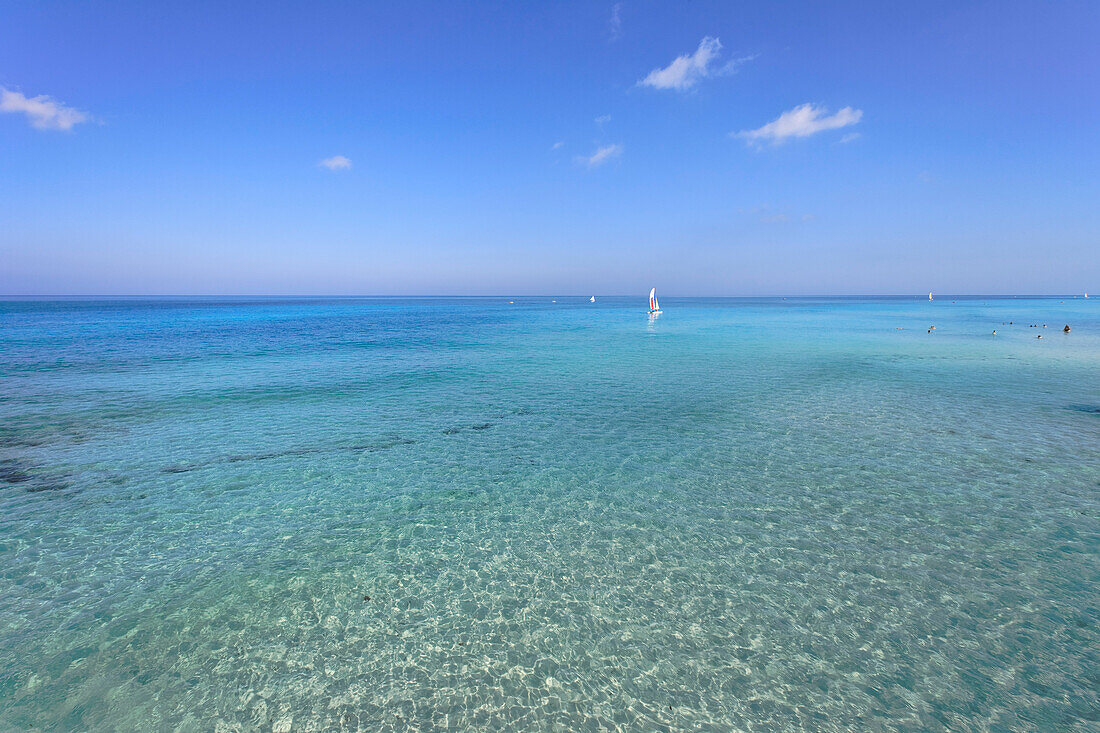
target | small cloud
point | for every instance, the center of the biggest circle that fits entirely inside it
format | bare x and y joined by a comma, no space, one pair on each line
44,113
686,71
850,137
336,163
753,210
558,145
602,119
767,214
602,155
615,25
801,121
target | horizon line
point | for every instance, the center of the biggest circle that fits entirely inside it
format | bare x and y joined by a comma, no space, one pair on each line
6,296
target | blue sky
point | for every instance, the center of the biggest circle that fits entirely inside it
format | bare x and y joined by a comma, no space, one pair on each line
706,148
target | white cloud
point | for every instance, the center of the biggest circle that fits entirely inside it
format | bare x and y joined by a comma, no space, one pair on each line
850,137
602,155
43,112
602,119
558,145
615,25
801,121
686,71
336,163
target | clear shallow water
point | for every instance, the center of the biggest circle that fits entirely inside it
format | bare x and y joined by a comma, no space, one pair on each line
755,514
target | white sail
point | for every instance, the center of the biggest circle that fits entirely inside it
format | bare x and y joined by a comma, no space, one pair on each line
592,299
653,306
930,296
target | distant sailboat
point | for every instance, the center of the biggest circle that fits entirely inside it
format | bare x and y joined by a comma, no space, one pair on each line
930,296
592,299
654,307
1086,295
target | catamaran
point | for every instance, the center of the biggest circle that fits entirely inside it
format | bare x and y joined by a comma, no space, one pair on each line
653,306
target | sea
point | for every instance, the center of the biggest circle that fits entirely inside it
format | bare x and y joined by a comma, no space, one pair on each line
520,513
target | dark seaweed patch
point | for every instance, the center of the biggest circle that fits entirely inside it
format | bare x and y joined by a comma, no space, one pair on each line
464,428
517,411
461,493
39,487
1091,409
267,456
15,441
12,472
385,445
273,454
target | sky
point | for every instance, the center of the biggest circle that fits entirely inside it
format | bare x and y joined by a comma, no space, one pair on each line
703,148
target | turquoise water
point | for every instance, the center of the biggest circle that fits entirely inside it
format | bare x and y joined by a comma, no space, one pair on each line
391,514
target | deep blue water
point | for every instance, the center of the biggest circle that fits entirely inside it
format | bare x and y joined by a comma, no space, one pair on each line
761,514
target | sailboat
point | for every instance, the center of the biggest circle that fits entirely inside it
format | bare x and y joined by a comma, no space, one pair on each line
1086,295
654,307
592,299
930,296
